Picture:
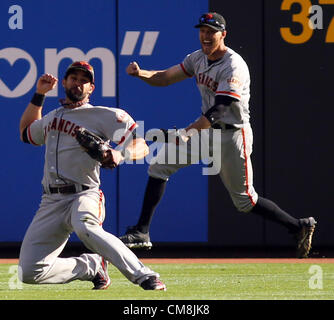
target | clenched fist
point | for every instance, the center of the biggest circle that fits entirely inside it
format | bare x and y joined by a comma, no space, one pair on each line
133,69
46,83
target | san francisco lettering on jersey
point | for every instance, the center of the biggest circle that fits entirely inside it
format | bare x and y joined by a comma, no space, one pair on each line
61,125
207,81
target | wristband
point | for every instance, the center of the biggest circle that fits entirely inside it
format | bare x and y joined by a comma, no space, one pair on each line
38,99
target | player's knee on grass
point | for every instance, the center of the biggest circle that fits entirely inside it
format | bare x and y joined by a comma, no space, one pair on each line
30,273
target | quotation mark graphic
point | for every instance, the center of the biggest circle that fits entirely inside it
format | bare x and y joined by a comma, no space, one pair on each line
147,45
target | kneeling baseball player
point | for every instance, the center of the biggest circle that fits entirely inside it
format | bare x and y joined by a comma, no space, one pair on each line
76,137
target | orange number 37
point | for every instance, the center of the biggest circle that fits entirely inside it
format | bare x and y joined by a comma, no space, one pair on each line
302,18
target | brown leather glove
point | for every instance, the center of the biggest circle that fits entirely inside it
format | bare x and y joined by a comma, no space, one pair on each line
96,147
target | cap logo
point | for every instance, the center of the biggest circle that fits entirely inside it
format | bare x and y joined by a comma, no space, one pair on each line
82,65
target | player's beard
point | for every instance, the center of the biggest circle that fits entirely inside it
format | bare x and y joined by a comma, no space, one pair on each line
210,49
75,96
206,50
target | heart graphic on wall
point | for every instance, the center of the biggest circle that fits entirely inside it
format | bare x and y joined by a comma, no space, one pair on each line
23,65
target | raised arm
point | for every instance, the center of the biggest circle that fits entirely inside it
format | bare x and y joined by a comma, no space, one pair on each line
158,78
34,109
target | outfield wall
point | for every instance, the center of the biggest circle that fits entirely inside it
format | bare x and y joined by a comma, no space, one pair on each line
292,112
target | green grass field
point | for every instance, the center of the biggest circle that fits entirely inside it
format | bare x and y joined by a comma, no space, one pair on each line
254,281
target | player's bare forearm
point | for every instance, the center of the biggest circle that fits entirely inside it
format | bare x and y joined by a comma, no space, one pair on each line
200,124
30,114
33,111
136,149
153,77
159,78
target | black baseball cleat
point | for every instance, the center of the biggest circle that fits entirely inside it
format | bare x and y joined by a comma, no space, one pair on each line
134,239
101,280
153,283
304,237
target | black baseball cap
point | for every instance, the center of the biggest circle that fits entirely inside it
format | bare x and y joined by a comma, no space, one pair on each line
81,65
213,20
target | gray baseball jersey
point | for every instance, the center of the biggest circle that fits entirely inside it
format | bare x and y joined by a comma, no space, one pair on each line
57,130
67,164
228,76
231,149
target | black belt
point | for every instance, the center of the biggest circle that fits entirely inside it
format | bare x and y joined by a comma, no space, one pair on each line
67,189
224,126
229,126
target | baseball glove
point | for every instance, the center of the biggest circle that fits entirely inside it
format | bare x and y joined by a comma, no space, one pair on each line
96,147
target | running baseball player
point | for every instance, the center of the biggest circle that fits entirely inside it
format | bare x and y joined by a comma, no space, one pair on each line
76,136
223,79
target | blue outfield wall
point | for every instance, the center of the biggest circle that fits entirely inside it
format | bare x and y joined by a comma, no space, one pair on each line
110,34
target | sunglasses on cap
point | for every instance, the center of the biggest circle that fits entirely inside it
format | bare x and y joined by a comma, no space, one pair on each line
209,19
